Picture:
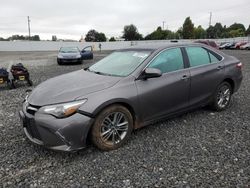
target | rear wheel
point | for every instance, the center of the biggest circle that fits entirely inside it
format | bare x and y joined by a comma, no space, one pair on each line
112,128
222,97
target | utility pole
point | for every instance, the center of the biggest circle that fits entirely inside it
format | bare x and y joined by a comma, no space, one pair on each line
210,19
29,26
163,23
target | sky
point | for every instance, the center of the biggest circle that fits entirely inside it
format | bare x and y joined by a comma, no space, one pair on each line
71,19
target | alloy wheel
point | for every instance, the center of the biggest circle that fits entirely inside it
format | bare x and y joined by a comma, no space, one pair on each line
223,96
114,128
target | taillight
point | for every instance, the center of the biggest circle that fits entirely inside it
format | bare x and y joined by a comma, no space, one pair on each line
239,65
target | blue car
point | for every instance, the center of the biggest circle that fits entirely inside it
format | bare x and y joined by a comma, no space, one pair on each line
68,55
87,53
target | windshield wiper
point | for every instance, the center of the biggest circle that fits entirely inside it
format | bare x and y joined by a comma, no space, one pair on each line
98,72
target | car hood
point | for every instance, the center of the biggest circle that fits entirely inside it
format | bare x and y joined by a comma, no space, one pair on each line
69,87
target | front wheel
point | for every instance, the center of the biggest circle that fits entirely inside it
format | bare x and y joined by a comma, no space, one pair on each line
222,97
112,128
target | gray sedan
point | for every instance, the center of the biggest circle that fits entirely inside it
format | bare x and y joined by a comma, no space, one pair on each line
128,89
69,55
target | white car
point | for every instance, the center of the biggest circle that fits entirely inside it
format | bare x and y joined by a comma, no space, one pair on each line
245,47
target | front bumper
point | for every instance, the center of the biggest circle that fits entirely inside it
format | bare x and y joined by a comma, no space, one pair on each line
67,134
69,60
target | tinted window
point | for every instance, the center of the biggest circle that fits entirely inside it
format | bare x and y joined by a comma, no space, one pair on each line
213,58
168,61
197,56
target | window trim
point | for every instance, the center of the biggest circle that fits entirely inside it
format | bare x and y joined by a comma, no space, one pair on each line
184,56
208,51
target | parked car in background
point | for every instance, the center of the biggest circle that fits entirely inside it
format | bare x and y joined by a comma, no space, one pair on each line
223,45
238,45
87,53
245,47
209,43
230,45
69,55
126,90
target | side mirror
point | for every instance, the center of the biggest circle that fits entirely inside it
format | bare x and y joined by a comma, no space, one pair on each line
150,73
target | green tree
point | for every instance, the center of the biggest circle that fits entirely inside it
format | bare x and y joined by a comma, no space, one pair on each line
100,37
54,38
178,33
130,32
218,29
3,39
211,32
188,29
112,39
199,33
237,26
91,36
160,34
225,32
94,36
236,33
35,38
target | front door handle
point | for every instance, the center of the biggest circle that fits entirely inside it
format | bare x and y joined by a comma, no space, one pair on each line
184,77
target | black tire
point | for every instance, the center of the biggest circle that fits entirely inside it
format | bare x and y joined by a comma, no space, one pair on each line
30,83
107,133
9,84
80,62
59,62
13,86
222,97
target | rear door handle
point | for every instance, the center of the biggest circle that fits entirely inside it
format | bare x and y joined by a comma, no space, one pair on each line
184,77
219,67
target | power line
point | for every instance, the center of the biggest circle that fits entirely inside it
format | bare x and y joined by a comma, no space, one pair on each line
210,19
163,23
29,26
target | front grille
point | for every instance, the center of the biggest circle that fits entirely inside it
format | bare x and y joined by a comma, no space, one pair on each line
31,128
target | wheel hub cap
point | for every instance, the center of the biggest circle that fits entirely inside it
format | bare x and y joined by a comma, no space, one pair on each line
114,128
223,96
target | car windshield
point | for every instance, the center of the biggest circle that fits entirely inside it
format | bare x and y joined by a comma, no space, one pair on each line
69,50
120,63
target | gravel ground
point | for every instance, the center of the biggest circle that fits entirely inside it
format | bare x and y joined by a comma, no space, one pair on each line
199,149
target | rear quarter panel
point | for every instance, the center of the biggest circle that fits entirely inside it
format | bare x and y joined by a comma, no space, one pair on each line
232,71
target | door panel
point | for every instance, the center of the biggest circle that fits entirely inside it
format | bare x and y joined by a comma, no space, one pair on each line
204,80
206,73
163,95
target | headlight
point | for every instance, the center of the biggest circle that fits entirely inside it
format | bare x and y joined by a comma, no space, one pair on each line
60,56
63,110
78,56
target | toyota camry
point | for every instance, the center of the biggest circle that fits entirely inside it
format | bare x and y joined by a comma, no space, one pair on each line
126,90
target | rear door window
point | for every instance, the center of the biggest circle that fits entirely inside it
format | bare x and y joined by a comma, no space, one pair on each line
197,56
213,58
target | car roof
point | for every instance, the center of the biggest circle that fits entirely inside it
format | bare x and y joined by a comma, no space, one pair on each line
160,46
